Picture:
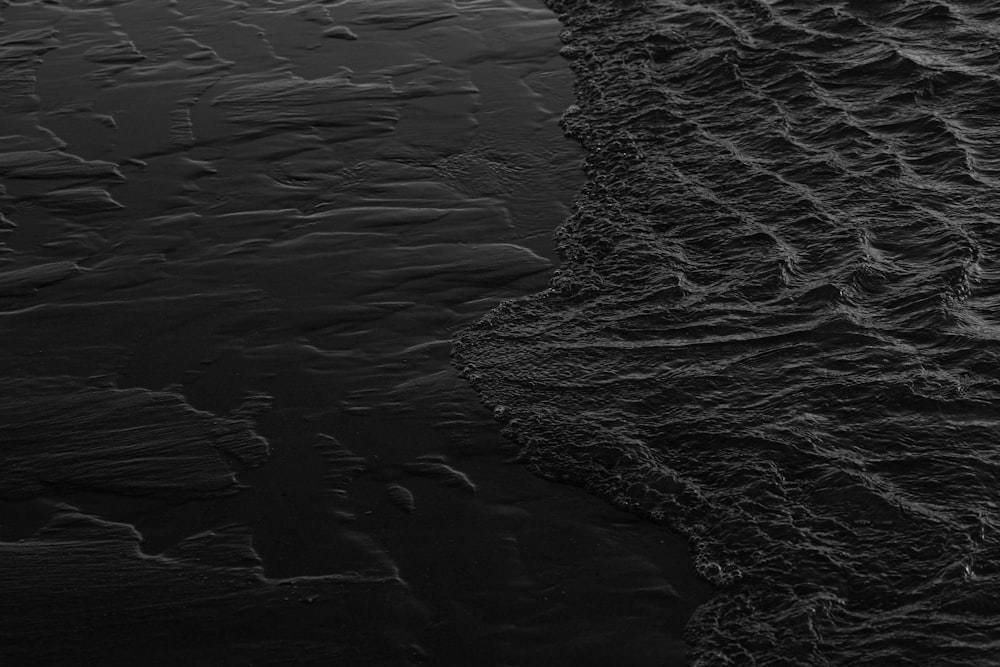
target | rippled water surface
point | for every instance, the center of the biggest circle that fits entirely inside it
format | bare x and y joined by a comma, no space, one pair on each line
775,326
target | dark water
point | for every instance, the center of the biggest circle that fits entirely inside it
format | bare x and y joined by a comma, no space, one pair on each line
775,326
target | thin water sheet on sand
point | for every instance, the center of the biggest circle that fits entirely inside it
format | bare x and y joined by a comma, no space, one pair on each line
237,239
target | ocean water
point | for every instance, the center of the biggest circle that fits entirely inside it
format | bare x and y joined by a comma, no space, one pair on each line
775,326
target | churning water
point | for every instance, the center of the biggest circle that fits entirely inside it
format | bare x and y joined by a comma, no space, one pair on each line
775,325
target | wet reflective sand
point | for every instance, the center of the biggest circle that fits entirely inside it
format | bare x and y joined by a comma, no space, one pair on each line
237,240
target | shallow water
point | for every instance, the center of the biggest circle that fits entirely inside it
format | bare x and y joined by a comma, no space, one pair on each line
236,241
774,327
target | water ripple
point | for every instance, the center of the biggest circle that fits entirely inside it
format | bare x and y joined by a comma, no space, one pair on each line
774,323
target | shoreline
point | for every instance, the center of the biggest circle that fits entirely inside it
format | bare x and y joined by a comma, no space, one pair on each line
238,266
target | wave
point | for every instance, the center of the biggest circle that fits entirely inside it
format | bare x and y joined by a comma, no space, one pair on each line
773,324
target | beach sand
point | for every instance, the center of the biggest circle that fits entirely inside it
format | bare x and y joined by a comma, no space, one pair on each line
237,239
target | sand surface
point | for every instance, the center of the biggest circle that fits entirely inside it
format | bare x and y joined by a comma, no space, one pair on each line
236,241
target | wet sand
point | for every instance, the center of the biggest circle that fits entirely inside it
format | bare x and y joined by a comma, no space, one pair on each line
237,240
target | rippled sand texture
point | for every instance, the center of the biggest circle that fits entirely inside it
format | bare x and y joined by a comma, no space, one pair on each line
237,238
776,323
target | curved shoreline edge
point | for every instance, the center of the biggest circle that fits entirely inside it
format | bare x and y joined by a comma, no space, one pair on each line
611,464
